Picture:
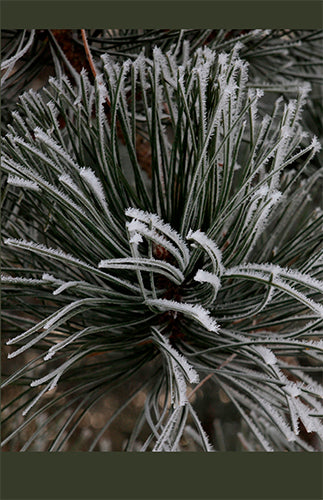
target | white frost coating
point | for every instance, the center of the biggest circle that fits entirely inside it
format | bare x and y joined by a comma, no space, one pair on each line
161,444
135,226
312,384
253,96
41,136
196,312
267,355
70,307
29,344
51,278
204,436
101,88
223,59
110,67
318,344
293,414
311,304
248,271
62,256
206,277
135,239
210,247
68,181
20,121
261,192
53,190
256,198
264,209
12,166
274,197
278,419
21,281
292,274
8,64
12,60
165,229
86,82
56,374
14,180
37,398
317,407
250,419
315,144
64,286
53,109
304,89
39,248
63,196
292,389
302,278
60,345
286,131
238,46
88,175
27,333
141,64
181,386
311,424
92,180
142,264
53,384
52,375
190,373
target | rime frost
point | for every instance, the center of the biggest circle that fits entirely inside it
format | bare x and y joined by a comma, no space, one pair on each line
201,118
196,312
210,247
14,180
163,228
268,356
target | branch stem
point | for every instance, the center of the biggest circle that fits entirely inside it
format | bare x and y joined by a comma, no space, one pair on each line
88,53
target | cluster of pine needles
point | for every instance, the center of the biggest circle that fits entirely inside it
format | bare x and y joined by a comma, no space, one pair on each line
190,268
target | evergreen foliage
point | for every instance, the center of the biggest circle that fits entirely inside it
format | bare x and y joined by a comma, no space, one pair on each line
204,267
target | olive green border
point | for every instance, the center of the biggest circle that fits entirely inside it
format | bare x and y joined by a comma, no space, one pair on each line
161,476
146,475
162,13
